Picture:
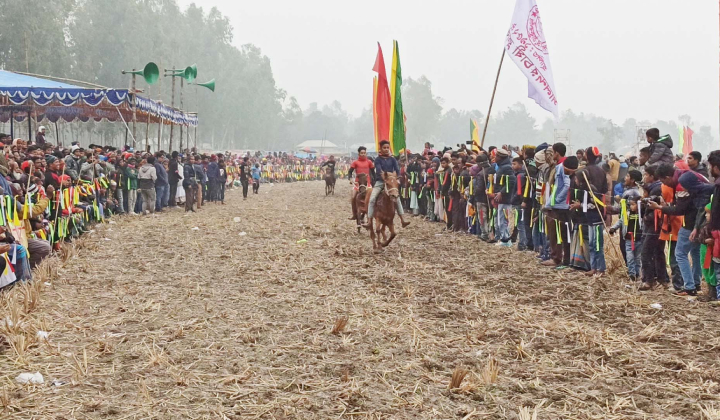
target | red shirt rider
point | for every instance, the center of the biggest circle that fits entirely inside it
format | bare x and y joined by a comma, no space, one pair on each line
363,165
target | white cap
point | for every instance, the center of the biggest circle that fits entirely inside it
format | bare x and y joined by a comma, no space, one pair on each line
41,128
74,148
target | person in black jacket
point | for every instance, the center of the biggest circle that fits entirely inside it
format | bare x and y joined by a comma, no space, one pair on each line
504,187
531,174
244,174
480,173
222,180
162,187
714,163
213,174
654,270
189,183
694,161
692,193
173,179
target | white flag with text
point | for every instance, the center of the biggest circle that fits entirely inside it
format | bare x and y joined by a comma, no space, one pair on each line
526,46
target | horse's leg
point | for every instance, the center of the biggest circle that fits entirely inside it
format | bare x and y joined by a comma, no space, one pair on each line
378,232
375,241
353,205
382,231
391,226
368,193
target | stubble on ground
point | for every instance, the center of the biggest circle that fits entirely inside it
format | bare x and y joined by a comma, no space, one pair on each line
288,314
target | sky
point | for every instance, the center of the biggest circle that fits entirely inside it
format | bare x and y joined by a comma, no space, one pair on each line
615,58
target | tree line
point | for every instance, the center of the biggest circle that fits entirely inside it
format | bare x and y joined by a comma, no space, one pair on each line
93,40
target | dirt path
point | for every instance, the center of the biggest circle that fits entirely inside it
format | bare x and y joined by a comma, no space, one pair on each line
153,319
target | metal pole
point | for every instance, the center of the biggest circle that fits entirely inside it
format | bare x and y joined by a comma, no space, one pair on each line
492,99
37,124
57,135
12,125
147,131
29,118
160,122
181,107
134,110
172,105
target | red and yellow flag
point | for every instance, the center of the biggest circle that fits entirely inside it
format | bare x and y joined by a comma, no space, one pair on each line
397,116
381,100
475,135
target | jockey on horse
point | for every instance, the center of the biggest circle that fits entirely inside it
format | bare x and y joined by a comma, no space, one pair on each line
329,175
330,163
362,165
385,162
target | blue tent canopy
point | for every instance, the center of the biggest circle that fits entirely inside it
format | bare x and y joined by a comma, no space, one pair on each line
21,96
9,79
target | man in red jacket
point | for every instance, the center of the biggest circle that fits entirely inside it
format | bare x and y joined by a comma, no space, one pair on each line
362,165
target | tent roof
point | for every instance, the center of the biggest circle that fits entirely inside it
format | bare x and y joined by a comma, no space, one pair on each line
317,144
21,96
10,79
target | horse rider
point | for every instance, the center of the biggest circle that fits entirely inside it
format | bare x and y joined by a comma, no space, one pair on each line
385,162
330,163
362,165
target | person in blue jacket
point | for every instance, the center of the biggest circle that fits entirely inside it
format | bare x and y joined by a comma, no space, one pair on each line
385,162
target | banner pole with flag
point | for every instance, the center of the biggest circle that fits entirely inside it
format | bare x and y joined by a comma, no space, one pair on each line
492,99
474,137
375,114
681,139
525,45
397,116
381,101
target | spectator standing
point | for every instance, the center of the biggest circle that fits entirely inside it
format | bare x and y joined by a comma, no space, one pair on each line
162,187
40,136
694,162
660,149
173,179
147,175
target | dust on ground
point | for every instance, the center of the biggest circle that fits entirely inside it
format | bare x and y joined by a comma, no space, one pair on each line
149,317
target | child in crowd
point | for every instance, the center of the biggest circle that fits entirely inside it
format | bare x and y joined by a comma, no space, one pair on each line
707,245
256,178
630,224
654,270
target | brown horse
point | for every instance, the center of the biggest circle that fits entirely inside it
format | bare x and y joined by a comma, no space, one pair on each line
329,182
359,205
385,211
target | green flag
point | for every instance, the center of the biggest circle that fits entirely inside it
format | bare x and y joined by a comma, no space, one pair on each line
397,117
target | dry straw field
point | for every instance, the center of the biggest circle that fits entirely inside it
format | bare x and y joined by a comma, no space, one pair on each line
150,318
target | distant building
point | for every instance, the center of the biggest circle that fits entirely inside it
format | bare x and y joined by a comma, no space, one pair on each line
324,147
369,146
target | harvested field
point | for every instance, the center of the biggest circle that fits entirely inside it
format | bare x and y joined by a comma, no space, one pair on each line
150,318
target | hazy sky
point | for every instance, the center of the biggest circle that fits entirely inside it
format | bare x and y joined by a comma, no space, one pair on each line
616,58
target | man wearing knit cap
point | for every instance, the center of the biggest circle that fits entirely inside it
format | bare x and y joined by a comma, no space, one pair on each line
592,178
558,206
504,186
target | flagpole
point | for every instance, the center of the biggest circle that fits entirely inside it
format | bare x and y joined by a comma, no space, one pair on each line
492,99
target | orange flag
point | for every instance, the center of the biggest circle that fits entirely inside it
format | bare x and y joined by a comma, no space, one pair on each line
381,101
